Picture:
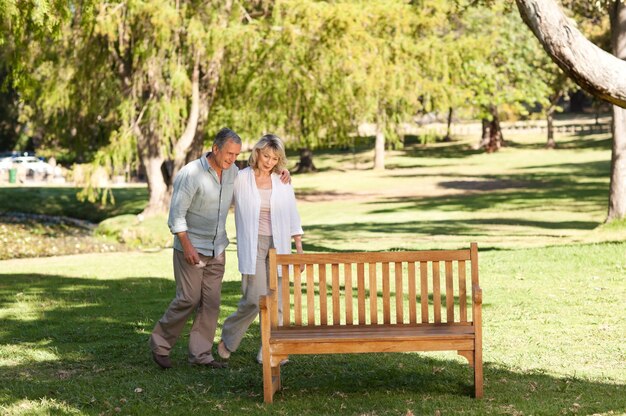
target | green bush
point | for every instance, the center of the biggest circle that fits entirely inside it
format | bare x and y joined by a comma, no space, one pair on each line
136,232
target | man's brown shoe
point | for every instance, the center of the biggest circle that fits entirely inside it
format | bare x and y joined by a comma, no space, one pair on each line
162,360
213,364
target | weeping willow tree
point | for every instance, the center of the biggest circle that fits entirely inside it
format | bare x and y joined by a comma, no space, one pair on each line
314,71
132,82
166,58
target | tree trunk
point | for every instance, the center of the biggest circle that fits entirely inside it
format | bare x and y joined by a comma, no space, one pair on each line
159,193
496,139
184,143
550,144
484,137
150,154
306,161
448,137
379,146
595,70
492,139
617,189
554,100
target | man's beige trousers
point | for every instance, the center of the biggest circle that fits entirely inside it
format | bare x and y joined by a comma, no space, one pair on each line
197,290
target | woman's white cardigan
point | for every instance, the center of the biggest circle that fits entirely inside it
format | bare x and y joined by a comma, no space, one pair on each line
283,211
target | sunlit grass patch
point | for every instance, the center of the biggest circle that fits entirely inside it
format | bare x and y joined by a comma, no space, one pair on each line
43,407
27,352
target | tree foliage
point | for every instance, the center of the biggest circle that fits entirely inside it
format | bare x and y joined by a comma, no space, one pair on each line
135,85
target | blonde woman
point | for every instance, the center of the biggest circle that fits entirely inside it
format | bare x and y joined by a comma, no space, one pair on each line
266,217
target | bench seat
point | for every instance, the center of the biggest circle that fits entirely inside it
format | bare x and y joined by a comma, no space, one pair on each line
378,338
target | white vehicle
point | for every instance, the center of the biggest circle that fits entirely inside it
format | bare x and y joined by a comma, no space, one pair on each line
6,163
32,165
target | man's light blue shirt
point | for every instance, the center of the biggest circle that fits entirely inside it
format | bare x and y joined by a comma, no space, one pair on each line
200,204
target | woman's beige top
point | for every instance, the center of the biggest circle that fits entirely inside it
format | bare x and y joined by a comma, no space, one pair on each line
265,218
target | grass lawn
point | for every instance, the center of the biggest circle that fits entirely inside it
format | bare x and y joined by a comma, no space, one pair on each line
446,194
74,329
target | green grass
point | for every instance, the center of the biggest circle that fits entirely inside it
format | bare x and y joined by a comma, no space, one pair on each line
74,337
74,329
441,195
522,196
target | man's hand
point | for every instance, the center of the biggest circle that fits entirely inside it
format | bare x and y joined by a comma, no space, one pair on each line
189,251
285,176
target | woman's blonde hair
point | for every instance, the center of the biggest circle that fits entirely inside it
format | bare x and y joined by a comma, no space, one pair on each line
273,143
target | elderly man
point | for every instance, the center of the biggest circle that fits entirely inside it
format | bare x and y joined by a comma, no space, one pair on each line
203,192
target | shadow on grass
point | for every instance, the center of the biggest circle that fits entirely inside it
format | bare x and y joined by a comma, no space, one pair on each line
534,188
83,343
62,201
464,227
454,150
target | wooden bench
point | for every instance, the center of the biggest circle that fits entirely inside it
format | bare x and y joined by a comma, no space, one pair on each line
372,302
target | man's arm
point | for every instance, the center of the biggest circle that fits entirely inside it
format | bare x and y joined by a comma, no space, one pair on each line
285,176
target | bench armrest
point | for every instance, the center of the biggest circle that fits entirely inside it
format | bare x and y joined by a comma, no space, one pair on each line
264,301
477,295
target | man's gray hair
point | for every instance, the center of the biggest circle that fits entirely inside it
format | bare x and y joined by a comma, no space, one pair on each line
224,135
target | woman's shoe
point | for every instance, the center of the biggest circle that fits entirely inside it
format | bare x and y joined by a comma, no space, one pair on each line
259,358
223,351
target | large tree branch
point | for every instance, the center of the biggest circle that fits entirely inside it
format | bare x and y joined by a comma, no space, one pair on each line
595,70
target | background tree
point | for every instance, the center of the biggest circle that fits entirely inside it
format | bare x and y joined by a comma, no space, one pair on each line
499,68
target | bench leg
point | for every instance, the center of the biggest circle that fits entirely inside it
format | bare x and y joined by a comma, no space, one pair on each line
478,374
278,385
268,387
271,375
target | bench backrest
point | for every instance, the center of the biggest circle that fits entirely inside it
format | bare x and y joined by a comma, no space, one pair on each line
375,288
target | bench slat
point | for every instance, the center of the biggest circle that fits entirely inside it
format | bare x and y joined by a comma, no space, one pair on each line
322,289
285,294
449,293
348,293
297,297
360,268
399,294
374,257
335,295
462,292
412,294
424,290
373,330
310,294
436,293
373,294
386,294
